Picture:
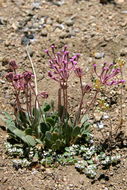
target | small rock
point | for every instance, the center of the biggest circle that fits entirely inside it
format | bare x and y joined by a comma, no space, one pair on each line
106,188
44,33
124,12
99,55
4,179
120,1
3,21
105,116
25,41
2,81
63,35
58,3
4,61
100,125
111,174
69,22
98,115
36,25
123,52
35,5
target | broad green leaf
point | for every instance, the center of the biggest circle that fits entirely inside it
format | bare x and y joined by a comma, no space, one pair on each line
84,119
23,117
29,140
48,136
46,107
50,121
76,131
44,127
28,131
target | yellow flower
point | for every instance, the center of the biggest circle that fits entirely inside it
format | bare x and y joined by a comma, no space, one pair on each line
120,62
97,84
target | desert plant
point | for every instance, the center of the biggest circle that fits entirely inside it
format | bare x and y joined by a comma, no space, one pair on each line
40,124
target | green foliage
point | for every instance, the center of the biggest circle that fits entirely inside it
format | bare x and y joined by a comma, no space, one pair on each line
46,128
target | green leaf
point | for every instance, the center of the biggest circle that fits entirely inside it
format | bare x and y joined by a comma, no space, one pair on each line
23,118
3,118
28,131
36,157
90,162
76,131
48,136
36,113
50,121
44,127
84,119
55,136
46,107
29,140
67,133
7,115
57,145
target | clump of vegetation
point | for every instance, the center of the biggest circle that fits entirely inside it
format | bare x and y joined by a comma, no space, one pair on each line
39,133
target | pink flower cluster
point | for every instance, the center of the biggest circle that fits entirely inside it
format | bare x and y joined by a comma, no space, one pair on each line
23,80
108,72
61,64
20,81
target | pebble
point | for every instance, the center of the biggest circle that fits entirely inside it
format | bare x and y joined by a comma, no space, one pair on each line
3,21
105,116
44,33
123,52
58,3
100,125
106,188
123,24
4,179
25,41
35,5
124,12
99,55
4,61
120,1
36,25
2,81
69,22
98,115
63,35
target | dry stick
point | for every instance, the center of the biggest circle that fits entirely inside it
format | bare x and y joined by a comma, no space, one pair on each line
35,76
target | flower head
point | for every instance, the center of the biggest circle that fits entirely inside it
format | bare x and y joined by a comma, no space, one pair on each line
10,76
61,64
107,75
86,88
13,66
28,76
43,94
79,72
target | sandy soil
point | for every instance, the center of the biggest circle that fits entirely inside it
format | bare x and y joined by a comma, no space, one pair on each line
88,28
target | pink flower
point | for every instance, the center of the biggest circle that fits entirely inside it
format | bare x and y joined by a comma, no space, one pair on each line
108,72
43,94
61,64
28,76
13,66
79,72
86,88
10,77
